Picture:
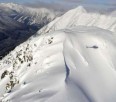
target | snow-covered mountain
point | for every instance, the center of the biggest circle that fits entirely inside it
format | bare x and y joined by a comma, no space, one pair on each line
79,16
72,59
18,23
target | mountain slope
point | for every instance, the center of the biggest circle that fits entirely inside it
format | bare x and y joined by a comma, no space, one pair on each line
18,23
68,64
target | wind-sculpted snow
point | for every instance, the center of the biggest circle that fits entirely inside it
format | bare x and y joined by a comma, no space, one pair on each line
79,16
91,70
70,65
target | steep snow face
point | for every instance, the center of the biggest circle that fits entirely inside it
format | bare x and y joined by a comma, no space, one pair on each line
80,16
75,64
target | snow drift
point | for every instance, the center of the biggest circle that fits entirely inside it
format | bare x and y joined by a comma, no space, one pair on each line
71,63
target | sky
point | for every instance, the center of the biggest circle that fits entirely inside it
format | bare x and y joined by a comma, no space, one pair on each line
62,4
66,1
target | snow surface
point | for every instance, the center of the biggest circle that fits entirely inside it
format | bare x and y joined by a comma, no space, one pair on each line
68,64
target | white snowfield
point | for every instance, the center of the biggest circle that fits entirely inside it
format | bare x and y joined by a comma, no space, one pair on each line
69,64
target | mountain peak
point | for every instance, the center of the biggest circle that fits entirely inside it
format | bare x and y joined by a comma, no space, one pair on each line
81,9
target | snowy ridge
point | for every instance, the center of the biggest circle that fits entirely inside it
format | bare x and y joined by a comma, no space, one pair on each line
81,59
79,16
73,63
